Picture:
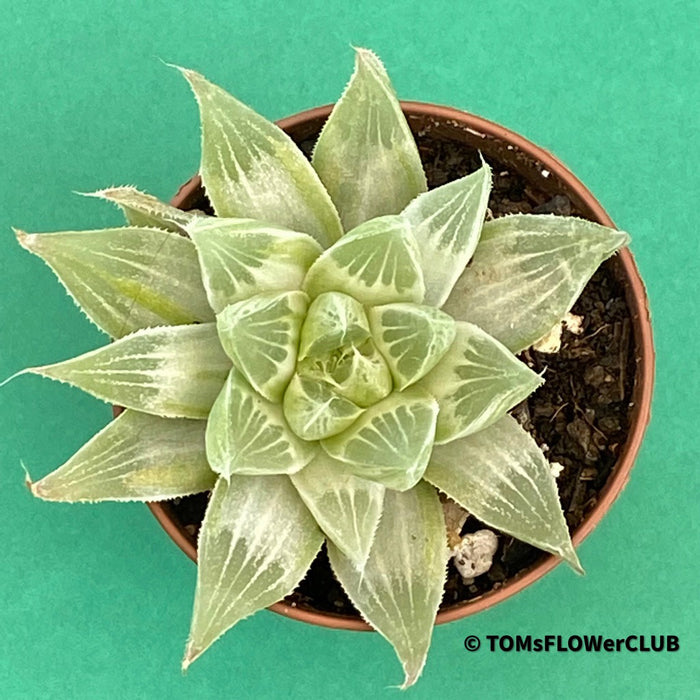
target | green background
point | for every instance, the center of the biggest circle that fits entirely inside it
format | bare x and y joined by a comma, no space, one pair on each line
94,600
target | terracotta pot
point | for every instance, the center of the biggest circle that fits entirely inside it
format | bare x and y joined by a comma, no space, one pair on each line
497,144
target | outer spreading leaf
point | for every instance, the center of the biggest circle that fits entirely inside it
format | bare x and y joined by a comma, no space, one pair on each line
174,372
257,542
241,258
126,278
366,154
145,210
246,434
359,373
377,263
136,457
446,223
399,589
261,336
475,383
501,476
252,169
527,272
346,507
391,441
412,339
314,410
333,320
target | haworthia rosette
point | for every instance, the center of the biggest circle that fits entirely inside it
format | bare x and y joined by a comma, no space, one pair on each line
257,541
398,590
252,169
128,278
174,372
501,477
366,155
137,457
527,272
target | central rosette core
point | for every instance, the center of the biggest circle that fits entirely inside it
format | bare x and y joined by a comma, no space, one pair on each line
339,369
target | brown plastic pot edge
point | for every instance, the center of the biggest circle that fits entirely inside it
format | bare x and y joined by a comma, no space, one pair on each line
644,379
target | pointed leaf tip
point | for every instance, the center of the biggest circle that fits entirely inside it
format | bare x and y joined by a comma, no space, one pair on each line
366,155
23,238
251,169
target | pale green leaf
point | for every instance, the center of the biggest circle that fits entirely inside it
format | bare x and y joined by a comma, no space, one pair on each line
527,272
125,279
476,383
145,210
366,155
246,434
357,372
261,336
174,372
501,477
137,457
412,339
241,258
346,507
252,169
333,320
446,223
399,589
314,410
257,541
376,263
391,441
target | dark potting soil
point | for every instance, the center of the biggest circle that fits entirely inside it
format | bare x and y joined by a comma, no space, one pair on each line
579,417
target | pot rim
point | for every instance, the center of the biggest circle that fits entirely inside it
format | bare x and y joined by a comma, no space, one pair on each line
641,398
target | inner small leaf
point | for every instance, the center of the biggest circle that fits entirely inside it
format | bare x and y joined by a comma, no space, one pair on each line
333,320
357,372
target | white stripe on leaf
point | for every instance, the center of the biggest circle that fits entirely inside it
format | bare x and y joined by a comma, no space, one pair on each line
261,336
501,476
376,263
411,338
527,272
240,258
398,590
252,169
128,278
366,155
391,441
137,457
346,507
446,223
247,434
145,210
257,541
174,372
476,382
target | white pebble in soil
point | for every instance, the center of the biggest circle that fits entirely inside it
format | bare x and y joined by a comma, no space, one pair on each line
473,556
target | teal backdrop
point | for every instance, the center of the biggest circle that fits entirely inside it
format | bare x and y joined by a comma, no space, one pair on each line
95,601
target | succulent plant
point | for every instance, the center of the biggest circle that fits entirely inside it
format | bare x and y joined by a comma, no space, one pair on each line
325,354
